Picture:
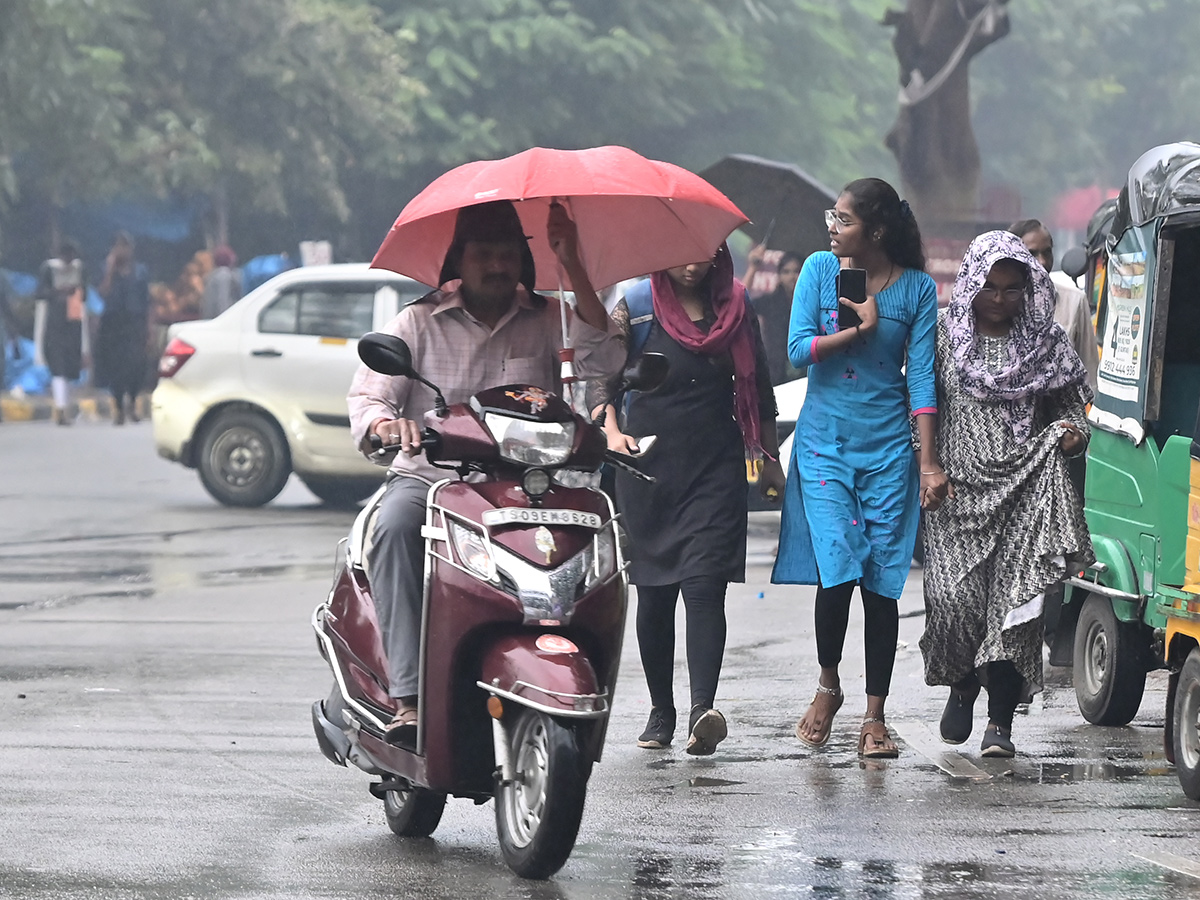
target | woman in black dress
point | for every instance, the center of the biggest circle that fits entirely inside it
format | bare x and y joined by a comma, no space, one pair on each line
124,327
688,530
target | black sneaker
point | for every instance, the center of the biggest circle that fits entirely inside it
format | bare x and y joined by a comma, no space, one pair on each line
997,742
958,715
659,730
707,729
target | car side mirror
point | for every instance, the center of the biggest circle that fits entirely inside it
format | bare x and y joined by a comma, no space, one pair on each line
1075,262
647,374
386,353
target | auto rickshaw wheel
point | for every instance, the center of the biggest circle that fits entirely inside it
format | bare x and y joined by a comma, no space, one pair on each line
1187,725
1109,675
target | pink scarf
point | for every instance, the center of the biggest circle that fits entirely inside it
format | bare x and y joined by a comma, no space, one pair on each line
731,332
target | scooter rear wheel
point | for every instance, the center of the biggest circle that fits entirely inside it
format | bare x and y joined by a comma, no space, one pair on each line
415,812
538,813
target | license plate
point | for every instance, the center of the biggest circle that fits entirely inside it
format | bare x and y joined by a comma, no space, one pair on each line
513,515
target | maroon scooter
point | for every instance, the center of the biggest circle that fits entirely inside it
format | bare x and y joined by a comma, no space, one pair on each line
523,619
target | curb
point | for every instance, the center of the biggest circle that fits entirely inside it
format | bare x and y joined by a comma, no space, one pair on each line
90,407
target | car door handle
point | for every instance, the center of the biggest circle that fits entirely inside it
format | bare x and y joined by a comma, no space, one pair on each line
269,352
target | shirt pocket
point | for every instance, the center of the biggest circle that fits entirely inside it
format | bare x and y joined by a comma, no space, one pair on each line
525,370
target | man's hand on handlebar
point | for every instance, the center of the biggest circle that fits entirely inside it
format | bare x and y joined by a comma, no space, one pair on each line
398,434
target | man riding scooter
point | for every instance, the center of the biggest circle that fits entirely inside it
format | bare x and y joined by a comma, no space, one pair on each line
483,326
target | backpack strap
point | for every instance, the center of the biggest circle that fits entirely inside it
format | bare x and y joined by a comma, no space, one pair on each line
640,302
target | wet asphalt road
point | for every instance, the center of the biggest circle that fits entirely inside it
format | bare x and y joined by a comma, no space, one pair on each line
157,666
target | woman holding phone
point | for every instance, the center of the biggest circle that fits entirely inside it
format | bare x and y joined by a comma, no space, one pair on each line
855,487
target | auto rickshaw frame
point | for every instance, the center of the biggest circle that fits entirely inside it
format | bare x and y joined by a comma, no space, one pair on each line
1113,622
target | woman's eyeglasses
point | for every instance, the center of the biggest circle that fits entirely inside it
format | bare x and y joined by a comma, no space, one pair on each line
835,221
1010,295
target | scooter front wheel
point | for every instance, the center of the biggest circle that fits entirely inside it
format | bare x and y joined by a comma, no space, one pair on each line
538,812
414,812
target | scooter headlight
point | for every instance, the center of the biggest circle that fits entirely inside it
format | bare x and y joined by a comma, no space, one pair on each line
472,551
531,443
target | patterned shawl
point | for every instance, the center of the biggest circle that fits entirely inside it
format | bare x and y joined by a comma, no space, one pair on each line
1040,356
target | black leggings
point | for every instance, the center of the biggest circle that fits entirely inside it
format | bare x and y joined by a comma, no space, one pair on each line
882,625
704,604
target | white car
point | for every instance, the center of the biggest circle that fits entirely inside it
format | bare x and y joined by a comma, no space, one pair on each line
260,391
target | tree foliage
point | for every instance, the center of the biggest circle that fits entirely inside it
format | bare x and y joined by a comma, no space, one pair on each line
322,117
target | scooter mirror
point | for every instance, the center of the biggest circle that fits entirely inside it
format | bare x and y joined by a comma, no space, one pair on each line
647,374
1075,262
385,353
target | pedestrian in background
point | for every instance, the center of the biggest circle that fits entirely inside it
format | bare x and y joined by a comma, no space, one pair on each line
222,285
1071,309
1011,398
774,311
687,531
854,485
61,325
121,345
8,331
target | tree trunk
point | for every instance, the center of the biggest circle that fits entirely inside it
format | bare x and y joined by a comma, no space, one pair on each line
932,139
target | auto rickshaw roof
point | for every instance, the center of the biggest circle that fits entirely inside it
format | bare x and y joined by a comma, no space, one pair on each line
1164,182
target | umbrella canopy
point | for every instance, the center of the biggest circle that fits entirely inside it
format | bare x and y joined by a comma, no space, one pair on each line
634,215
783,201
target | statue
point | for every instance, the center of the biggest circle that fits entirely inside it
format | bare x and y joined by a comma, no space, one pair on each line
932,138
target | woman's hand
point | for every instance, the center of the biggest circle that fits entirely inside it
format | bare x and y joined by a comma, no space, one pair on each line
771,481
1072,442
619,442
867,311
936,488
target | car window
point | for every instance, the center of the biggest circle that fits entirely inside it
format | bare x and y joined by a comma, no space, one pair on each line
326,310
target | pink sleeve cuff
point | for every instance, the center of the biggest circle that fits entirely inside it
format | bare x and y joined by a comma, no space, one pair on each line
925,411
812,349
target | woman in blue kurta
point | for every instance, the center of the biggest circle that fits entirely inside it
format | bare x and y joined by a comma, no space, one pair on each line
855,486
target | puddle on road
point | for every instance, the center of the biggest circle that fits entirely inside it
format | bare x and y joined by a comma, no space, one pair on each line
702,781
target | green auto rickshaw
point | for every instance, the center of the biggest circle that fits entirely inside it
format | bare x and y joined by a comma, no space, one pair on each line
1144,272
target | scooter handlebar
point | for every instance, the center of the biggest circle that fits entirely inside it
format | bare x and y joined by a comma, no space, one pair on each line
429,441
624,462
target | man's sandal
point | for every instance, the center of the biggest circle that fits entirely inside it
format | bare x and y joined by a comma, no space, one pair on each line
403,727
835,704
876,742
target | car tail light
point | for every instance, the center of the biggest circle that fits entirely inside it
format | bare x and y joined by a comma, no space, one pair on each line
177,353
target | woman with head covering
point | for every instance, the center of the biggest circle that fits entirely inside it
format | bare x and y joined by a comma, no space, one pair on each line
855,486
688,530
1011,398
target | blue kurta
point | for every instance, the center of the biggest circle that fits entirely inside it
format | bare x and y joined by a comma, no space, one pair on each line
851,507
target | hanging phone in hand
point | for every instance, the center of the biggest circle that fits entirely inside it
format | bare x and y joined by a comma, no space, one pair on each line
851,284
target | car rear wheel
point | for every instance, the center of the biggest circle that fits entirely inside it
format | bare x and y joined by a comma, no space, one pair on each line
243,459
341,492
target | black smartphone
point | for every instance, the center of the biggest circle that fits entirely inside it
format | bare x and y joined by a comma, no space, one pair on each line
851,284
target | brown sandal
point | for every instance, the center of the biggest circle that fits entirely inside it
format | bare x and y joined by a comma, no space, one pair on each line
823,738
882,746
403,727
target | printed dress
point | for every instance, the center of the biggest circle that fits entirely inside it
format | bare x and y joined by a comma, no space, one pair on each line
851,506
1014,528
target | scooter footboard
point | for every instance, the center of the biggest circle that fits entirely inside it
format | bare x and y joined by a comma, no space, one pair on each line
547,672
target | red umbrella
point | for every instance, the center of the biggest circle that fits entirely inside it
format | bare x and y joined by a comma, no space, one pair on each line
634,215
